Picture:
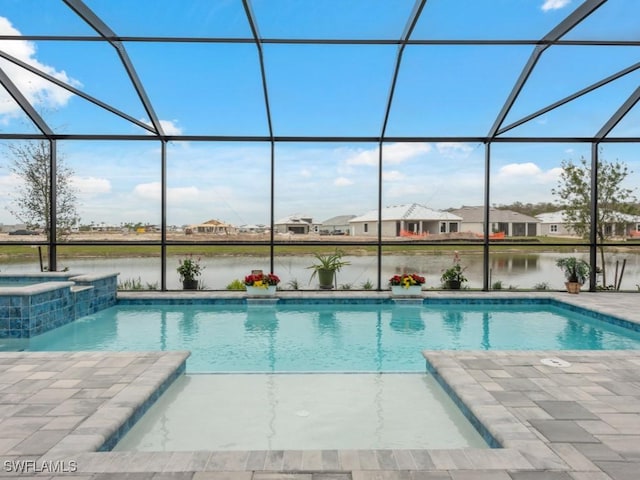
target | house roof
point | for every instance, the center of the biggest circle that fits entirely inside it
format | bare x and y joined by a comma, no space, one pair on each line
413,211
338,220
215,223
551,217
476,215
212,224
293,219
558,217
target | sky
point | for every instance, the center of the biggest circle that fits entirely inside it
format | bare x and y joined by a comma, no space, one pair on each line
452,91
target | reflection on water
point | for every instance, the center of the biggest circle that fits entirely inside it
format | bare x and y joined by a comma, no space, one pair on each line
327,322
407,318
261,319
589,336
336,338
516,270
453,321
486,322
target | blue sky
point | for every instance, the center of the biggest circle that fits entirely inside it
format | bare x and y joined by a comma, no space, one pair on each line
330,90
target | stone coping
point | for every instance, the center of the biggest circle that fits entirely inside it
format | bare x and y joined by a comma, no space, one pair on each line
58,403
92,277
34,289
580,421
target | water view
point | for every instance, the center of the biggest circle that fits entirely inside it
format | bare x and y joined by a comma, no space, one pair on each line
510,270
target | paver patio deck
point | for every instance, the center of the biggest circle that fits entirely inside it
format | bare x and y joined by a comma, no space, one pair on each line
580,421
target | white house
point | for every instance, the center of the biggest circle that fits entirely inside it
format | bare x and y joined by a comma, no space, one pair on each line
554,224
298,224
336,225
409,220
508,222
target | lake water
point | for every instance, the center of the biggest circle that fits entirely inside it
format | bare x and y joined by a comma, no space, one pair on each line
520,271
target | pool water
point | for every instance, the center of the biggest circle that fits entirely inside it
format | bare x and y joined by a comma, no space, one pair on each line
302,412
307,337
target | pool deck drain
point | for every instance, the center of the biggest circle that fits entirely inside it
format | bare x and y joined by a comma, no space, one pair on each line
579,422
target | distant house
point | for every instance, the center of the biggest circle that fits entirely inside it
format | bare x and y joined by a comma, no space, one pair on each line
336,225
297,224
253,228
406,221
554,224
510,223
213,227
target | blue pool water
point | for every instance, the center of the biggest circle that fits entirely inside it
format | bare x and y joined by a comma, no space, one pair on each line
305,337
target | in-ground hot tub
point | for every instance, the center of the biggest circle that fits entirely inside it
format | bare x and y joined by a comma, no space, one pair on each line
31,304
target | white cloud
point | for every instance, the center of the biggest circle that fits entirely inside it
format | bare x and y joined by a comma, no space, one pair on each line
170,127
151,191
305,173
554,4
342,182
37,90
365,157
527,172
519,169
392,154
454,149
182,194
8,183
400,152
90,185
393,176
148,191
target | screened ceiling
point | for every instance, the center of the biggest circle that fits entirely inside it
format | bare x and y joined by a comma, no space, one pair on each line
332,70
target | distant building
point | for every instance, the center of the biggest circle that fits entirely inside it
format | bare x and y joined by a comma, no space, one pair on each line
554,224
508,222
253,228
336,225
297,224
406,221
212,227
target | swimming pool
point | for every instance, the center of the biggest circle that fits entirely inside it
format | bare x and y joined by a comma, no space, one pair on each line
334,337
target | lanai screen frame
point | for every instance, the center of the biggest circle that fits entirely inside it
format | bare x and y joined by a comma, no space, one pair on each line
495,135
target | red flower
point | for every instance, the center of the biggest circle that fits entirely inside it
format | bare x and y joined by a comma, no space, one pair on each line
261,280
407,279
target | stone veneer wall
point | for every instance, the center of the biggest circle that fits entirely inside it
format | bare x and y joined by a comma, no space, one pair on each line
103,292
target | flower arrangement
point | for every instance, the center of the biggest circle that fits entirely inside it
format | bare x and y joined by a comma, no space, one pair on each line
261,280
189,268
407,280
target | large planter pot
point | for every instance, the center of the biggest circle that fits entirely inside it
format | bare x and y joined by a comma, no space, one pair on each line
573,287
453,285
270,291
400,291
190,284
325,278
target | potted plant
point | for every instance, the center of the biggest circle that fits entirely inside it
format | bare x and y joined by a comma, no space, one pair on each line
576,271
189,270
261,284
327,267
406,284
453,277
